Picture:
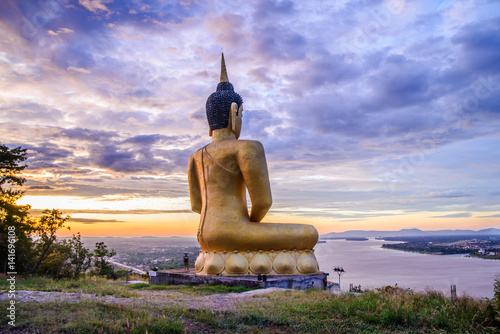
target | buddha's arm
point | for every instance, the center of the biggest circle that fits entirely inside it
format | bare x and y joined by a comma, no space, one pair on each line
194,186
253,166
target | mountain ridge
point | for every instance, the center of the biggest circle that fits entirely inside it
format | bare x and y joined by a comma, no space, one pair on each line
409,232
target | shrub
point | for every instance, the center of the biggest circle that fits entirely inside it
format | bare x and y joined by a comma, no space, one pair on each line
494,310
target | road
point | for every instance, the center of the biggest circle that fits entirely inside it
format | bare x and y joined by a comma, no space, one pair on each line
124,266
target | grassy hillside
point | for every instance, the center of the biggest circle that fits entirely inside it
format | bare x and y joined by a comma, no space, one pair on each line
176,309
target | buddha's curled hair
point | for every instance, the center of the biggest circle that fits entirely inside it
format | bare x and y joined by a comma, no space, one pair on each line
219,105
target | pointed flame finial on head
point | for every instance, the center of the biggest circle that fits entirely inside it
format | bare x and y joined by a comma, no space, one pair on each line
223,71
219,103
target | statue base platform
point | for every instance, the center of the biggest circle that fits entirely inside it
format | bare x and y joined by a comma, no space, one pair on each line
183,277
235,263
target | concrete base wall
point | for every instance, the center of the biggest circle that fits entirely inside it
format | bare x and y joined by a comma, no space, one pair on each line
180,277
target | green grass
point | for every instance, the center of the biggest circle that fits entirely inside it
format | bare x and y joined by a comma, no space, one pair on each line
91,317
311,311
201,290
104,287
96,286
400,311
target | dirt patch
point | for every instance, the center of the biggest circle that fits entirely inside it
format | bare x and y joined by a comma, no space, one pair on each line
217,302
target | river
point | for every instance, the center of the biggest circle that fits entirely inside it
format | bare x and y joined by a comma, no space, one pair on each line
367,264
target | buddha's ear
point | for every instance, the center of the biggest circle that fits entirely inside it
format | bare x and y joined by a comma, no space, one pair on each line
235,119
232,114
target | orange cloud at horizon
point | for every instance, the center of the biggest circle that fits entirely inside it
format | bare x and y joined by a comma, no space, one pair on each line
160,225
186,224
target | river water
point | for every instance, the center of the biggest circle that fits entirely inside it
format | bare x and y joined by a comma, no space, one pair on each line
367,264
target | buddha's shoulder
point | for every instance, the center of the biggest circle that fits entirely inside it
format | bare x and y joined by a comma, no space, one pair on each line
250,144
248,147
239,144
232,147
195,155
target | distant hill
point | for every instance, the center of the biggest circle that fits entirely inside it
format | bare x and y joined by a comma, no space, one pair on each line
413,232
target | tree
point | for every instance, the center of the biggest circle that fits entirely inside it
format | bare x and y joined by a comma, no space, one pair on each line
57,264
10,168
45,229
37,250
12,215
80,257
496,289
66,259
101,257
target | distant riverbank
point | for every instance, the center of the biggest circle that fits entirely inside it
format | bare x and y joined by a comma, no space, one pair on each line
486,247
423,251
346,238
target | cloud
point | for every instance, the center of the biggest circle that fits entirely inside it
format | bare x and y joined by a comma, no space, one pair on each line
95,185
84,148
113,158
227,29
280,43
479,46
330,68
399,82
259,123
115,212
450,194
38,113
95,5
455,215
199,115
331,214
40,188
148,139
261,75
60,31
431,47
269,9
46,155
490,216
94,221
79,54
89,135
78,69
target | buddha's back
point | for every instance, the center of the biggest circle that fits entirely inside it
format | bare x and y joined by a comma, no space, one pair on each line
218,175
224,169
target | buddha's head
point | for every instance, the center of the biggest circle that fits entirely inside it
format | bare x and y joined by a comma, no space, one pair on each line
225,106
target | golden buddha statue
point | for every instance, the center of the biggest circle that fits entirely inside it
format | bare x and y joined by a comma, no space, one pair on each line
233,241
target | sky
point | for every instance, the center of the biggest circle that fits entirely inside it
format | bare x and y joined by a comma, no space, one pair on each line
374,115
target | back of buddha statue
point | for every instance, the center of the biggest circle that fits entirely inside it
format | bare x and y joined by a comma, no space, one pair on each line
219,175
224,169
